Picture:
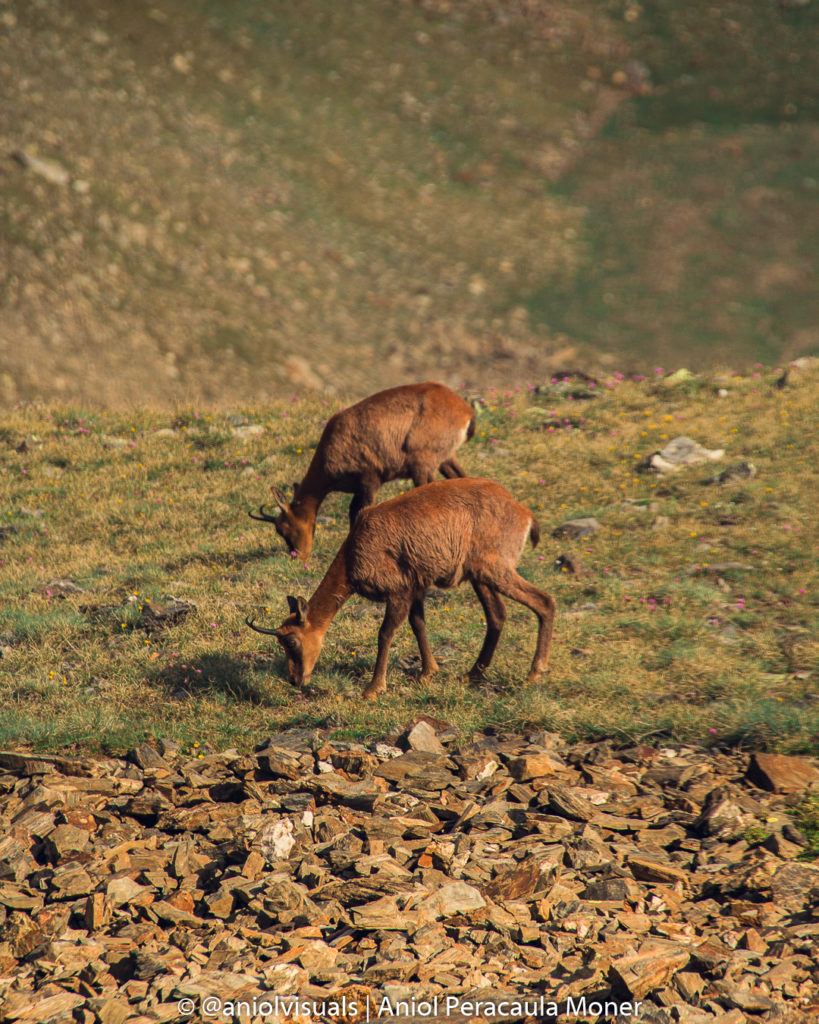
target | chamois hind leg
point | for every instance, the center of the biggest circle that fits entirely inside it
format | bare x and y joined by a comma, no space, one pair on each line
429,666
495,612
363,496
508,582
451,468
398,606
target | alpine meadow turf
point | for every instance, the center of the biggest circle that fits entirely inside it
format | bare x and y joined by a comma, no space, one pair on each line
691,618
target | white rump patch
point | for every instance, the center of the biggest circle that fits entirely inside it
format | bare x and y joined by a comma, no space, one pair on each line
525,540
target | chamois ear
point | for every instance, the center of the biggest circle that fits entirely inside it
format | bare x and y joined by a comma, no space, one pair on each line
298,607
295,489
281,500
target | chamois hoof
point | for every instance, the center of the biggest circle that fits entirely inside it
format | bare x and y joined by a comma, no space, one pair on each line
373,692
429,674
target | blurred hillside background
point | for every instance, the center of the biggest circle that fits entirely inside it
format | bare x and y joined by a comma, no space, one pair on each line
224,201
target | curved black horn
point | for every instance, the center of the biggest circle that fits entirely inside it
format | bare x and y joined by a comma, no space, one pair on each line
261,629
263,517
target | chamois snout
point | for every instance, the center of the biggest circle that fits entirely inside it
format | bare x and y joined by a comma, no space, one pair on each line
301,649
295,535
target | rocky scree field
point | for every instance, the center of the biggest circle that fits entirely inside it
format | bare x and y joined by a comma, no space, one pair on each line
608,881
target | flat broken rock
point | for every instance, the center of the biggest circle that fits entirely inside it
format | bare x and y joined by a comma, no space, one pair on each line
454,898
567,804
649,969
422,736
533,766
648,870
531,875
795,886
780,773
382,913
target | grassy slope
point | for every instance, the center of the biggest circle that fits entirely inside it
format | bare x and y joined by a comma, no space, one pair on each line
648,644
397,190
262,185
700,196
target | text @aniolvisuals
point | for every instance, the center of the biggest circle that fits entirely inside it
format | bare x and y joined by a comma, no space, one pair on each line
363,1011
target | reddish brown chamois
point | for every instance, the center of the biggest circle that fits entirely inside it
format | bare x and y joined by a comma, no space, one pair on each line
439,535
409,432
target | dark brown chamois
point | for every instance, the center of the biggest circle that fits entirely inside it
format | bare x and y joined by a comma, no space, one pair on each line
409,432
439,535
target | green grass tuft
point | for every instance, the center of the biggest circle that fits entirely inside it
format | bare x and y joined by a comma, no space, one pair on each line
806,816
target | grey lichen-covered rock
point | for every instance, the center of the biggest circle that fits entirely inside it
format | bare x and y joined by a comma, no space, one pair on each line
679,454
739,471
277,840
577,528
422,736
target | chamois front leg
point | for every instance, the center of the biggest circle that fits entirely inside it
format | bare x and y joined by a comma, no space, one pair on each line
398,607
364,496
422,469
429,666
542,604
451,469
495,612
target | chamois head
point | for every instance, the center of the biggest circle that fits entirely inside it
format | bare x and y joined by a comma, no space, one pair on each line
301,646
294,531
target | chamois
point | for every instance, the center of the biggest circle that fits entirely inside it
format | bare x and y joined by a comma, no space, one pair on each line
439,535
408,432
